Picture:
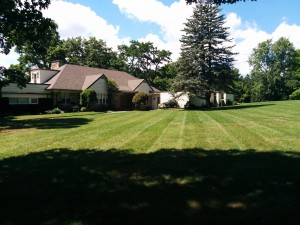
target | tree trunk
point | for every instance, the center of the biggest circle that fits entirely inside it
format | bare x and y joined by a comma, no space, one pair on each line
207,99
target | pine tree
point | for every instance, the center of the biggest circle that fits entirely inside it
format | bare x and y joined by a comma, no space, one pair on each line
206,59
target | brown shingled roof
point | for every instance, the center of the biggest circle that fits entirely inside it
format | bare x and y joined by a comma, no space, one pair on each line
74,77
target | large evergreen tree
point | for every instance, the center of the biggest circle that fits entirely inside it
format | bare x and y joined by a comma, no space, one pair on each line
206,58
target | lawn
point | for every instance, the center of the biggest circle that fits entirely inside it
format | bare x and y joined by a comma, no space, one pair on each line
234,165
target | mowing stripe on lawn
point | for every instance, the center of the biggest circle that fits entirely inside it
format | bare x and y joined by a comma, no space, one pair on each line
219,134
139,129
172,134
181,133
268,136
145,139
108,137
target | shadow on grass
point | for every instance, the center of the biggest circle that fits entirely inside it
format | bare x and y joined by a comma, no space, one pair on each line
165,187
63,122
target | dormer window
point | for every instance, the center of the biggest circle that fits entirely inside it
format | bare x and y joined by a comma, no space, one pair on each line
40,76
34,77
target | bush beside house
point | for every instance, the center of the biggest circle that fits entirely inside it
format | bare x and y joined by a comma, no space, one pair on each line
140,100
88,98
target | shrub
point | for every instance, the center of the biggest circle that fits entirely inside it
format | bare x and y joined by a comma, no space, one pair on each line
75,108
246,98
229,102
295,95
161,106
83,109
113,89
66,107
172,103
87,98
139,99
54,111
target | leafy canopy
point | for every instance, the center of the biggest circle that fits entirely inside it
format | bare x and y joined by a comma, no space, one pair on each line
22,24
144,60
273,71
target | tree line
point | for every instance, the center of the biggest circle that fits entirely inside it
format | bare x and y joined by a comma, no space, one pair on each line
206,62
275,72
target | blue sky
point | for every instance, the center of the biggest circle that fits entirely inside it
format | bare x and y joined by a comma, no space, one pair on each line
268,14
160,21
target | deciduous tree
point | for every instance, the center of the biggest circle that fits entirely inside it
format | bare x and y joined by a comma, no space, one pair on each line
90,52
41,56
273,71
166,76
144,60
22,23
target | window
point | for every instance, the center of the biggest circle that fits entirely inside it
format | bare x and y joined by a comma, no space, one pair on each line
13,101
65,99
102,98
34,101
23,101
33,77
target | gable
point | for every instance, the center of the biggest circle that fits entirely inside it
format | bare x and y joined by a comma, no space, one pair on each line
100,86
144,87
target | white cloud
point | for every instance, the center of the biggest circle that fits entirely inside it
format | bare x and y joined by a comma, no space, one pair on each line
247,36
77,20
7,60
171,20
292,32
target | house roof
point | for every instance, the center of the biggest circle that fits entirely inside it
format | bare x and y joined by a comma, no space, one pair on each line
75,77
155,90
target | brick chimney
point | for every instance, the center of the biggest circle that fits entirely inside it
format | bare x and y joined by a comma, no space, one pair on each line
56,64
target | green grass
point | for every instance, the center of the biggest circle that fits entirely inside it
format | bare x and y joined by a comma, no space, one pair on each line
235,165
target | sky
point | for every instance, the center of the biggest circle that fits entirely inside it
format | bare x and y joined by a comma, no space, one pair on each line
161,21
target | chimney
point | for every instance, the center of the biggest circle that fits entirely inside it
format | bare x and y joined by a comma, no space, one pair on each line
56,64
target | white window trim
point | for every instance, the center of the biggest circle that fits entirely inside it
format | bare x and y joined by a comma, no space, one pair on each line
102,98
29,101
